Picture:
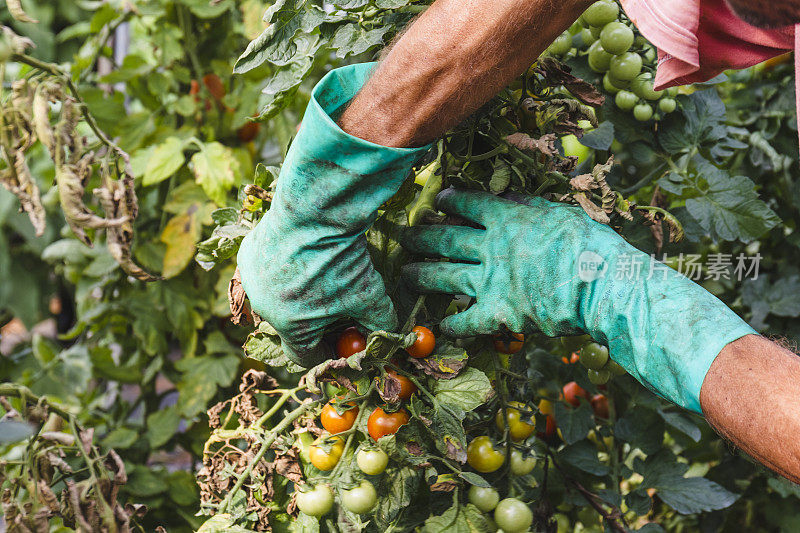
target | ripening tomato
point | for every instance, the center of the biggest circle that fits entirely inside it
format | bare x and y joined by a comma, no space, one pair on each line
513,516
248,131
521,465
214,85
350,342
326,460
424,344
615,369
194,90
483,456
360,499
550,426
573,358
484,498
381,423
518,426
315,502
334,422
372,461
573,393
503,342
600,405
407,387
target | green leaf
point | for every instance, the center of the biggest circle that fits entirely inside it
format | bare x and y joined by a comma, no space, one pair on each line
501,177
474,479
164,161
215,170
599,138
277,43
179,235
121,438
765,298
352,39
182,488
264,345
225,523
208,10
458,519
202,377
700,122
583,455
730,208
642,428
397,486
162,425
683,424
466,391
574,423
302,524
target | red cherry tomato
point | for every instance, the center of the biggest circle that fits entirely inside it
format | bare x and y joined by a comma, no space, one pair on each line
335,422
407,388
573,393
424,344
214,85
350,342
381,423
574,358
549,428
600,405
248,131
503,344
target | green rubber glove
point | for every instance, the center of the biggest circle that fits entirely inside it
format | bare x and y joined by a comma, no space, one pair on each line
306,263
548,266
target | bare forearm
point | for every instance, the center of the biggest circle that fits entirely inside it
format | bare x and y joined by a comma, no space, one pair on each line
453,59
751,396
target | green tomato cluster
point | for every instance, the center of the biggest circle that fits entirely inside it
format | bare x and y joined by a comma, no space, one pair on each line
600,366
626,60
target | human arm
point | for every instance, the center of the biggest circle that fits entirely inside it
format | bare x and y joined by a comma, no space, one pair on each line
751,396
452,59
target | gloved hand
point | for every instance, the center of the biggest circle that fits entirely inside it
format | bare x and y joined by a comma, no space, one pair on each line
306,262
549,266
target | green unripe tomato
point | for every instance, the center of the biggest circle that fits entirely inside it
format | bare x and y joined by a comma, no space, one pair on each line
599,59
521,465
625,100
372,462
616,38
513,516
561,46
643,112
573,147
595,31
594,356
315,502
618,84
626,66
642,86
562,523
360,499
667,105
601,13
615,369
599,377
575,28
484,499
672,91
587,37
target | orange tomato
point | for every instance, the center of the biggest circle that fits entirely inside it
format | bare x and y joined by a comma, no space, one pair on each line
248,131
214,85
335,422
573,393
381,423
424,344
574,358
350,342
503,344
407,388
600,405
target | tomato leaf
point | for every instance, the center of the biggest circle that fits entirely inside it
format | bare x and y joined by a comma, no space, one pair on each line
583,455
164,161
458,519
445,363
216,170
468,390
397,486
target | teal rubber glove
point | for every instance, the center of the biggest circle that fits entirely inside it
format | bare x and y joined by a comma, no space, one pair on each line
541,265
306,263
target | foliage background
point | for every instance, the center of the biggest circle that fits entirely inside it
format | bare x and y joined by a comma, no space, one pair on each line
141,362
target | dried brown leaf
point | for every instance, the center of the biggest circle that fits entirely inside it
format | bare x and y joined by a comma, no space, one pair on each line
595,213
545,144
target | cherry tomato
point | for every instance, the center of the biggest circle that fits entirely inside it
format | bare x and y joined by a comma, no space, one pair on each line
513,516
315,502
550,426
372,462
594,356
484,499
546,407
483,456
616,38
642,112
504,343
615,368
424,344
625,100
587,37
626,66
194,90
350,342
642,86
573,358
326,460
607,85
521,465
248,131
600,405
573,147
334,422
599,377
214,85
518,426
667,105
381,423
561,45
573,393
407,387
601,13
599,59
360,499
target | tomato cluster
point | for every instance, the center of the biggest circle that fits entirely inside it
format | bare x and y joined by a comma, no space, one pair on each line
611,46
